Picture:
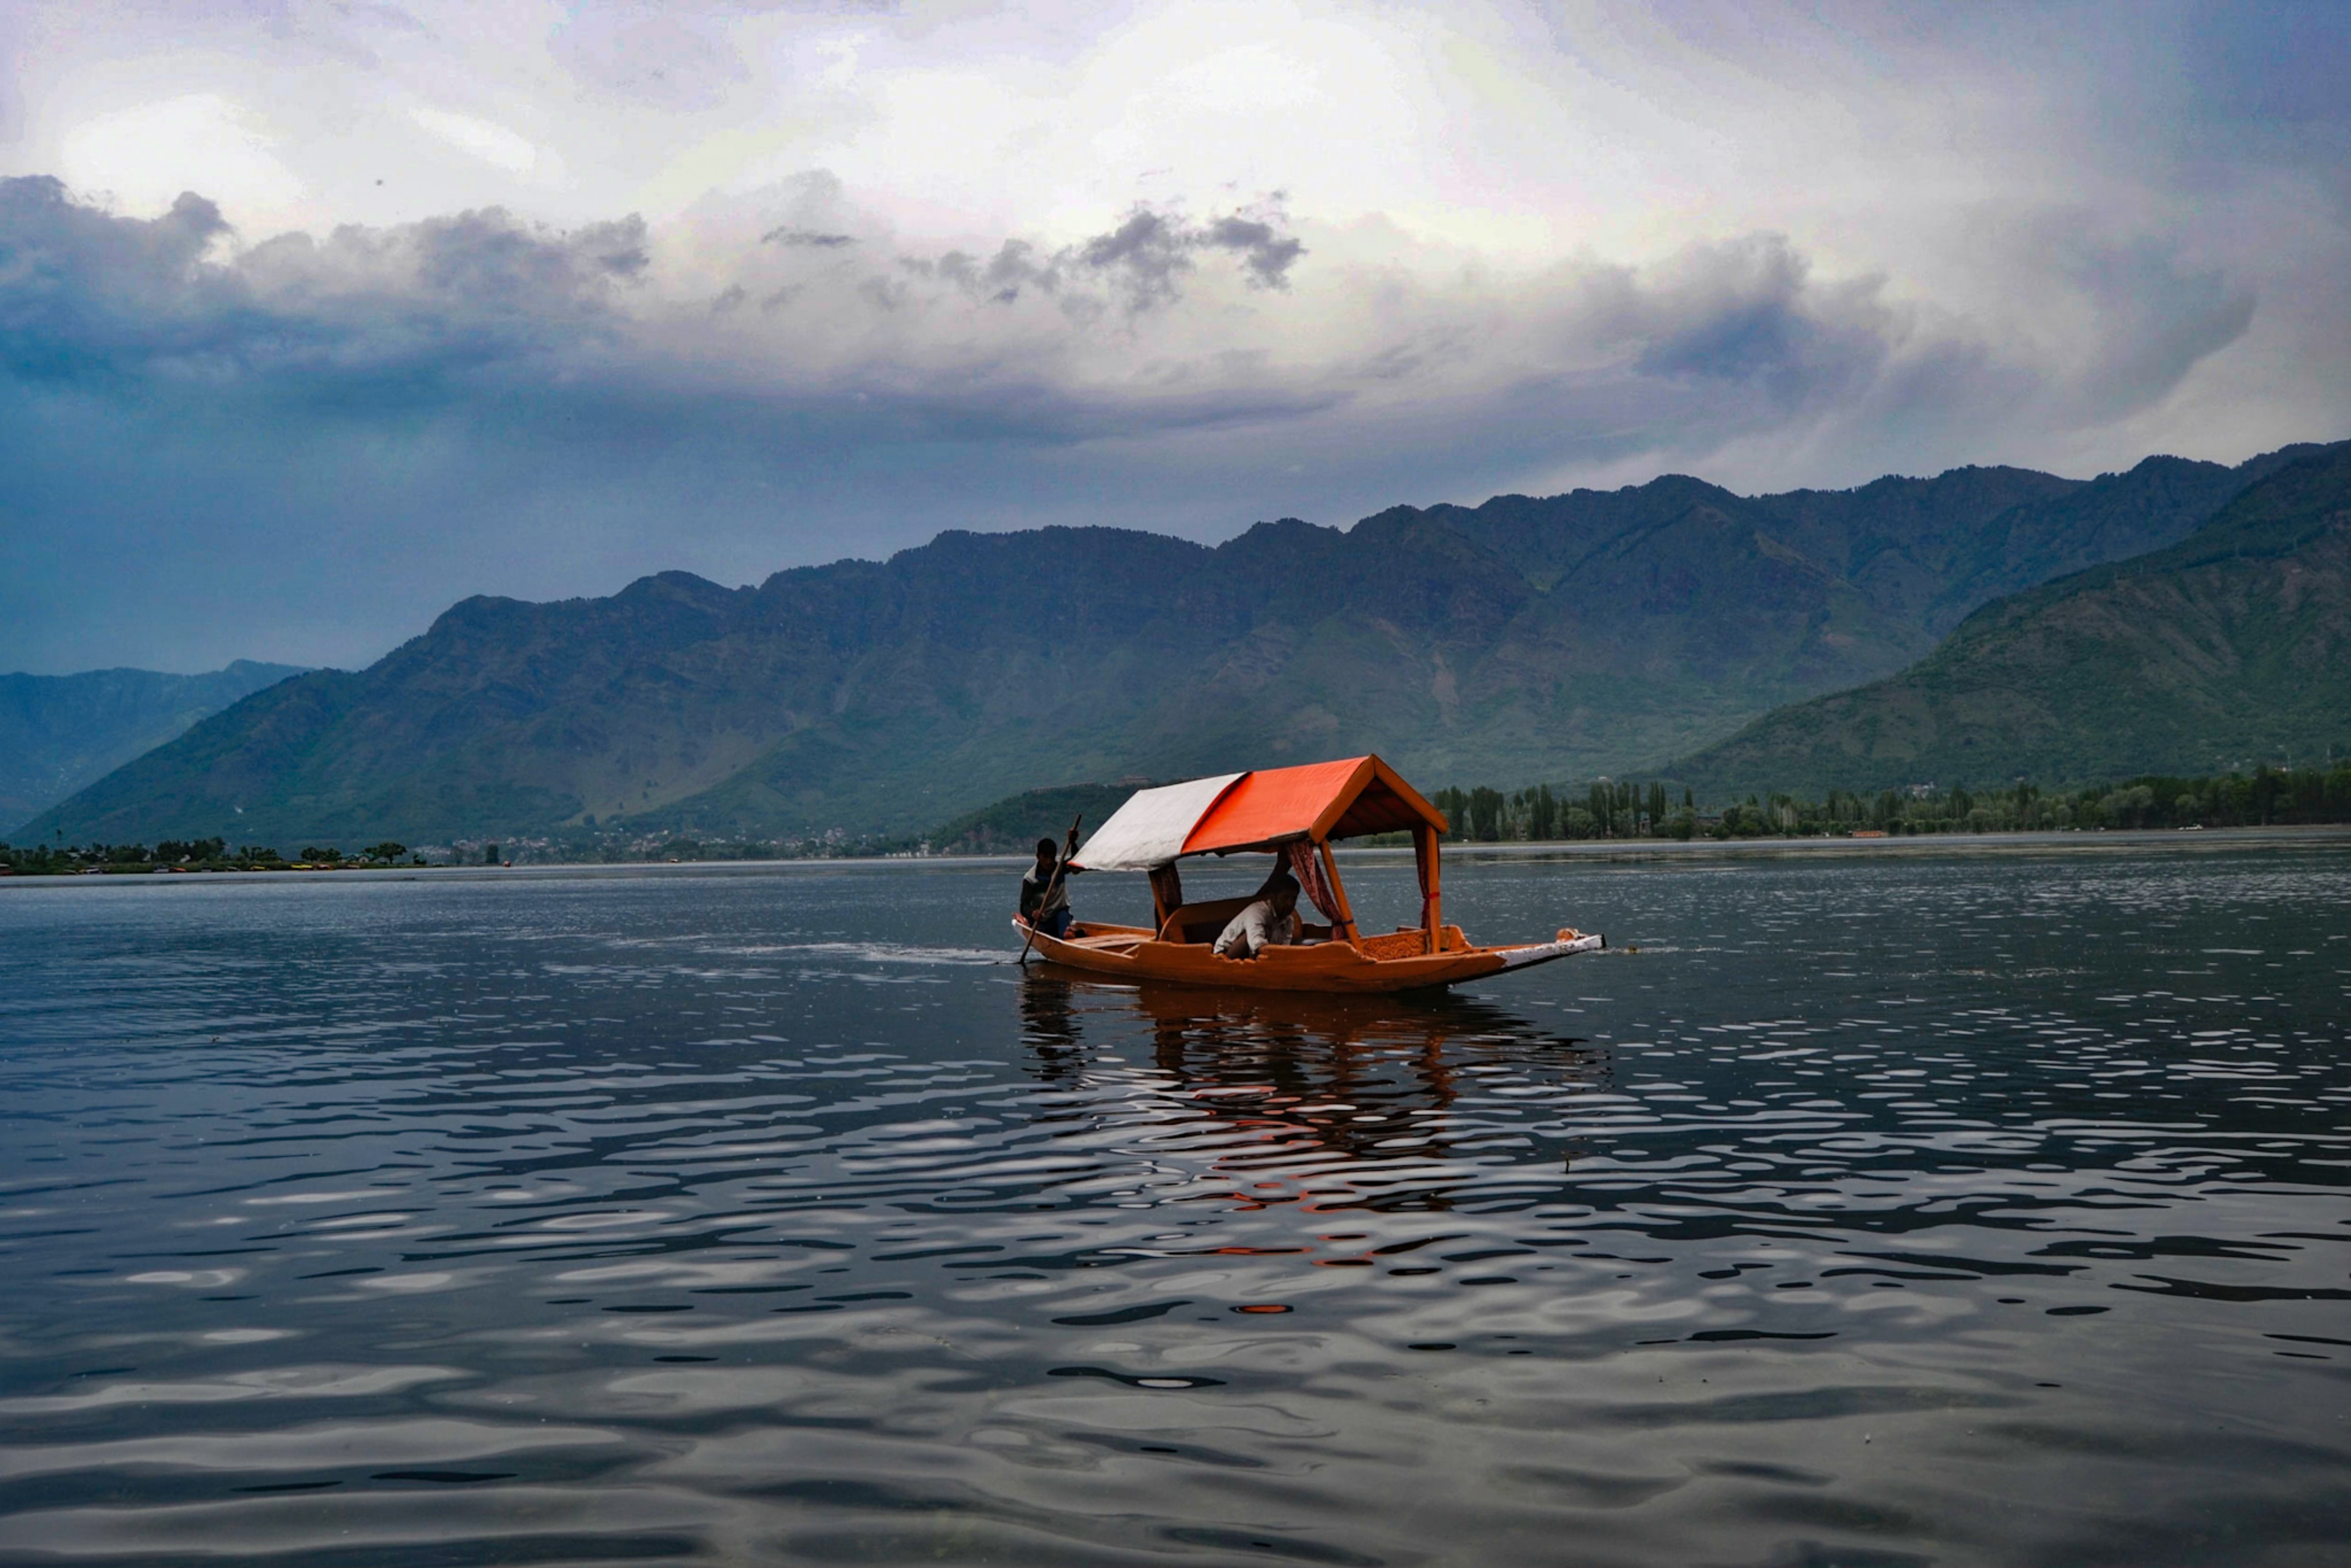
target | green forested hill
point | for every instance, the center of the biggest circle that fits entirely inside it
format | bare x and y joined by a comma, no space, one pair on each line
58,732
1525,639
2230,648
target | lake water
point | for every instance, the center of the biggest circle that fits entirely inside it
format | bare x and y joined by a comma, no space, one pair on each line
1946,1208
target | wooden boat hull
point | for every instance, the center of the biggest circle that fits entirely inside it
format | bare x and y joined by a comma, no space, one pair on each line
1133,952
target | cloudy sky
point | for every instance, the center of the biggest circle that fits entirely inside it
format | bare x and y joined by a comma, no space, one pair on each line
315,317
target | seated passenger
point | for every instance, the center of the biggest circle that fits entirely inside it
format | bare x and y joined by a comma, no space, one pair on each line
1045,891
1269,921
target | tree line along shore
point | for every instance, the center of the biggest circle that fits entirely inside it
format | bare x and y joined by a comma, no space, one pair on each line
213,855
1541,814
2266,797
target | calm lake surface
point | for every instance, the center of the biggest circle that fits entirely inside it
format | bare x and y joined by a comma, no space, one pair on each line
1942,1208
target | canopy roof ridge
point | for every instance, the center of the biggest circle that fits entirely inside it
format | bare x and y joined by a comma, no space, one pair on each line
1220,814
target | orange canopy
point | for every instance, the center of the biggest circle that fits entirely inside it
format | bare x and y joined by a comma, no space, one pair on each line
1321,800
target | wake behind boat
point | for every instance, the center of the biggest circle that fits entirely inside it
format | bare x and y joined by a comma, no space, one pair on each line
1295,814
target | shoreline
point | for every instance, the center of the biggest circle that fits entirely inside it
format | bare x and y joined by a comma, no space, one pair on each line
2068,841
1908,846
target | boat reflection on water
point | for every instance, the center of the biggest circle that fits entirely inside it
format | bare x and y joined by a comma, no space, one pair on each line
1332,1101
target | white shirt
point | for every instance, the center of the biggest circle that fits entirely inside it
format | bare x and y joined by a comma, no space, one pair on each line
1259,927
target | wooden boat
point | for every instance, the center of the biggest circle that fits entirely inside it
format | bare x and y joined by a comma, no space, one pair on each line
1295,814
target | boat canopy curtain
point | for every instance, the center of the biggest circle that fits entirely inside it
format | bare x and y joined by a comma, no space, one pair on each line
1307,867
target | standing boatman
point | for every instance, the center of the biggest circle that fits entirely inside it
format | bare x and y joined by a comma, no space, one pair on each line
1045,887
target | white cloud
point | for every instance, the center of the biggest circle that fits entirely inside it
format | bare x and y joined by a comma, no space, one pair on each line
144,156
491,142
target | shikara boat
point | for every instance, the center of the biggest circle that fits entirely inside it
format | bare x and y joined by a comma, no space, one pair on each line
1295,814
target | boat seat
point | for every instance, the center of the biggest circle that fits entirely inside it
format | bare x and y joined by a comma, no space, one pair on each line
1201,922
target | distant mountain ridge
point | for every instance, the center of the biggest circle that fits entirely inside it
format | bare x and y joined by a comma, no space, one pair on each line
2230,648
58,732
1524,639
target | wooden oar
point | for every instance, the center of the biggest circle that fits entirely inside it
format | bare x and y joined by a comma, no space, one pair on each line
1051,882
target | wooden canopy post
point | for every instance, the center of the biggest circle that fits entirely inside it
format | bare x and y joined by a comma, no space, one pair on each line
1432,899
1345,913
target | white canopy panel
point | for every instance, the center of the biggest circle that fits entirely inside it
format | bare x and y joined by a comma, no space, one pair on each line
1151,828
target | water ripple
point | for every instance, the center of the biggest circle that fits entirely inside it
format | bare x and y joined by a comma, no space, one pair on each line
1950,1210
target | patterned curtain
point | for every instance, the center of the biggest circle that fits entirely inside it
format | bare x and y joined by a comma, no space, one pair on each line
1307,867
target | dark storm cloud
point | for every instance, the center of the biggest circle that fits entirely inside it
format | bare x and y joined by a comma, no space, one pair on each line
1151,250
305,447
551,319
1146,254
86,294
810,238
1748,313
1264,250
1016,267
1140,264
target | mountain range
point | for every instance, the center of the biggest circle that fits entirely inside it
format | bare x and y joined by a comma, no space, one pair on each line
2230,648
58,732
1529,638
